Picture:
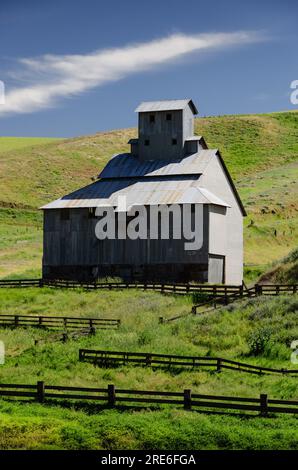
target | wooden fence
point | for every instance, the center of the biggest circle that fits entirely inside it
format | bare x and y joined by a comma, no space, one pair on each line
256,290
117,358
55,322
112,397
65,336
218,290
177,288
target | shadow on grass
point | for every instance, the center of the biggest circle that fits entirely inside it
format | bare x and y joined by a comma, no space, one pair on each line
96,408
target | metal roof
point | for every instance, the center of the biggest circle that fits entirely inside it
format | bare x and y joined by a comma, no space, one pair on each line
126,165
165,105
148,191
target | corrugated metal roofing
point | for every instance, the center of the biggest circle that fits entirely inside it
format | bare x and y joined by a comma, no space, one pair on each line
126,165
140,192
165,105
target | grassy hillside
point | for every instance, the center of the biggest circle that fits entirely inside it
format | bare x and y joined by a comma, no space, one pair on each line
260,151
8,144
284,271
231,333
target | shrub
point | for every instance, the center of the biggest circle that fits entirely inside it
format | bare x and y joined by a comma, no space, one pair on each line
258,340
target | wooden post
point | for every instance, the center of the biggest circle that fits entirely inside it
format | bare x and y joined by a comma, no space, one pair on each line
111,395
264,404
148,359
81,354
39,321
40,392
64,337
160,320
194,310
218,365
258,289
187,399
92,330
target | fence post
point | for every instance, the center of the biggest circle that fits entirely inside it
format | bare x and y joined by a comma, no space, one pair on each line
258,289
187,399
148,359
40,392
194,310
218,365
64,337
160,320
264,404
111,395
16,320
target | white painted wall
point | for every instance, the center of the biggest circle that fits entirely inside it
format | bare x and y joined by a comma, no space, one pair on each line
217,230
215,180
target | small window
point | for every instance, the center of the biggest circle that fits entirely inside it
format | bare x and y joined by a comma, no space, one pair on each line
91,212
64,214
147,142
174,141
152,118
169,117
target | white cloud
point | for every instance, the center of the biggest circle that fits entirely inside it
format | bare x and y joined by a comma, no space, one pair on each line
54,77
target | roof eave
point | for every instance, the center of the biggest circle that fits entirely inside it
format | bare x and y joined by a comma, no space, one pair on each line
244,213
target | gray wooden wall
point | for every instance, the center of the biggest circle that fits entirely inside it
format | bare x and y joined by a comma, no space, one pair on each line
73,243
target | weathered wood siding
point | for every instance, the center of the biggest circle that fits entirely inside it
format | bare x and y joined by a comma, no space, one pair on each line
73,243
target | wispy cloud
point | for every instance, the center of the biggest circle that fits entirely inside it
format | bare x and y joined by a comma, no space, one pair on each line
51,78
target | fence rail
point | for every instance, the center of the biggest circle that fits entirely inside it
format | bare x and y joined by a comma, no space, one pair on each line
112,396
256,290
55,322
177,288
116,358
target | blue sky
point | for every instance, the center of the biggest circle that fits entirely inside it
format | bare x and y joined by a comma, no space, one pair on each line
78,67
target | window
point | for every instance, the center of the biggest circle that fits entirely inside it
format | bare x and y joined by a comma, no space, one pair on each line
147,142
174,141
64,214
169,117
91,212
152,118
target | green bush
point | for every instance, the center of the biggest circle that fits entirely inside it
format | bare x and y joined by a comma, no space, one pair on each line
258,340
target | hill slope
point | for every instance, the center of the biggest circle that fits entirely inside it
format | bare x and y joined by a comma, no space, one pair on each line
260,151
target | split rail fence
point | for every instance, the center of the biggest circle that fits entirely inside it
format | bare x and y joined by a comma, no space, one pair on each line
176,288
56,322
112,397
117,358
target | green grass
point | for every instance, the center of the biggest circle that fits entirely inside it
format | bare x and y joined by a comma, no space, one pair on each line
37,427
19,143
225,333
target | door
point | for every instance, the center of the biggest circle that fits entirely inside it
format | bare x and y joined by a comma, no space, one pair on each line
216,269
